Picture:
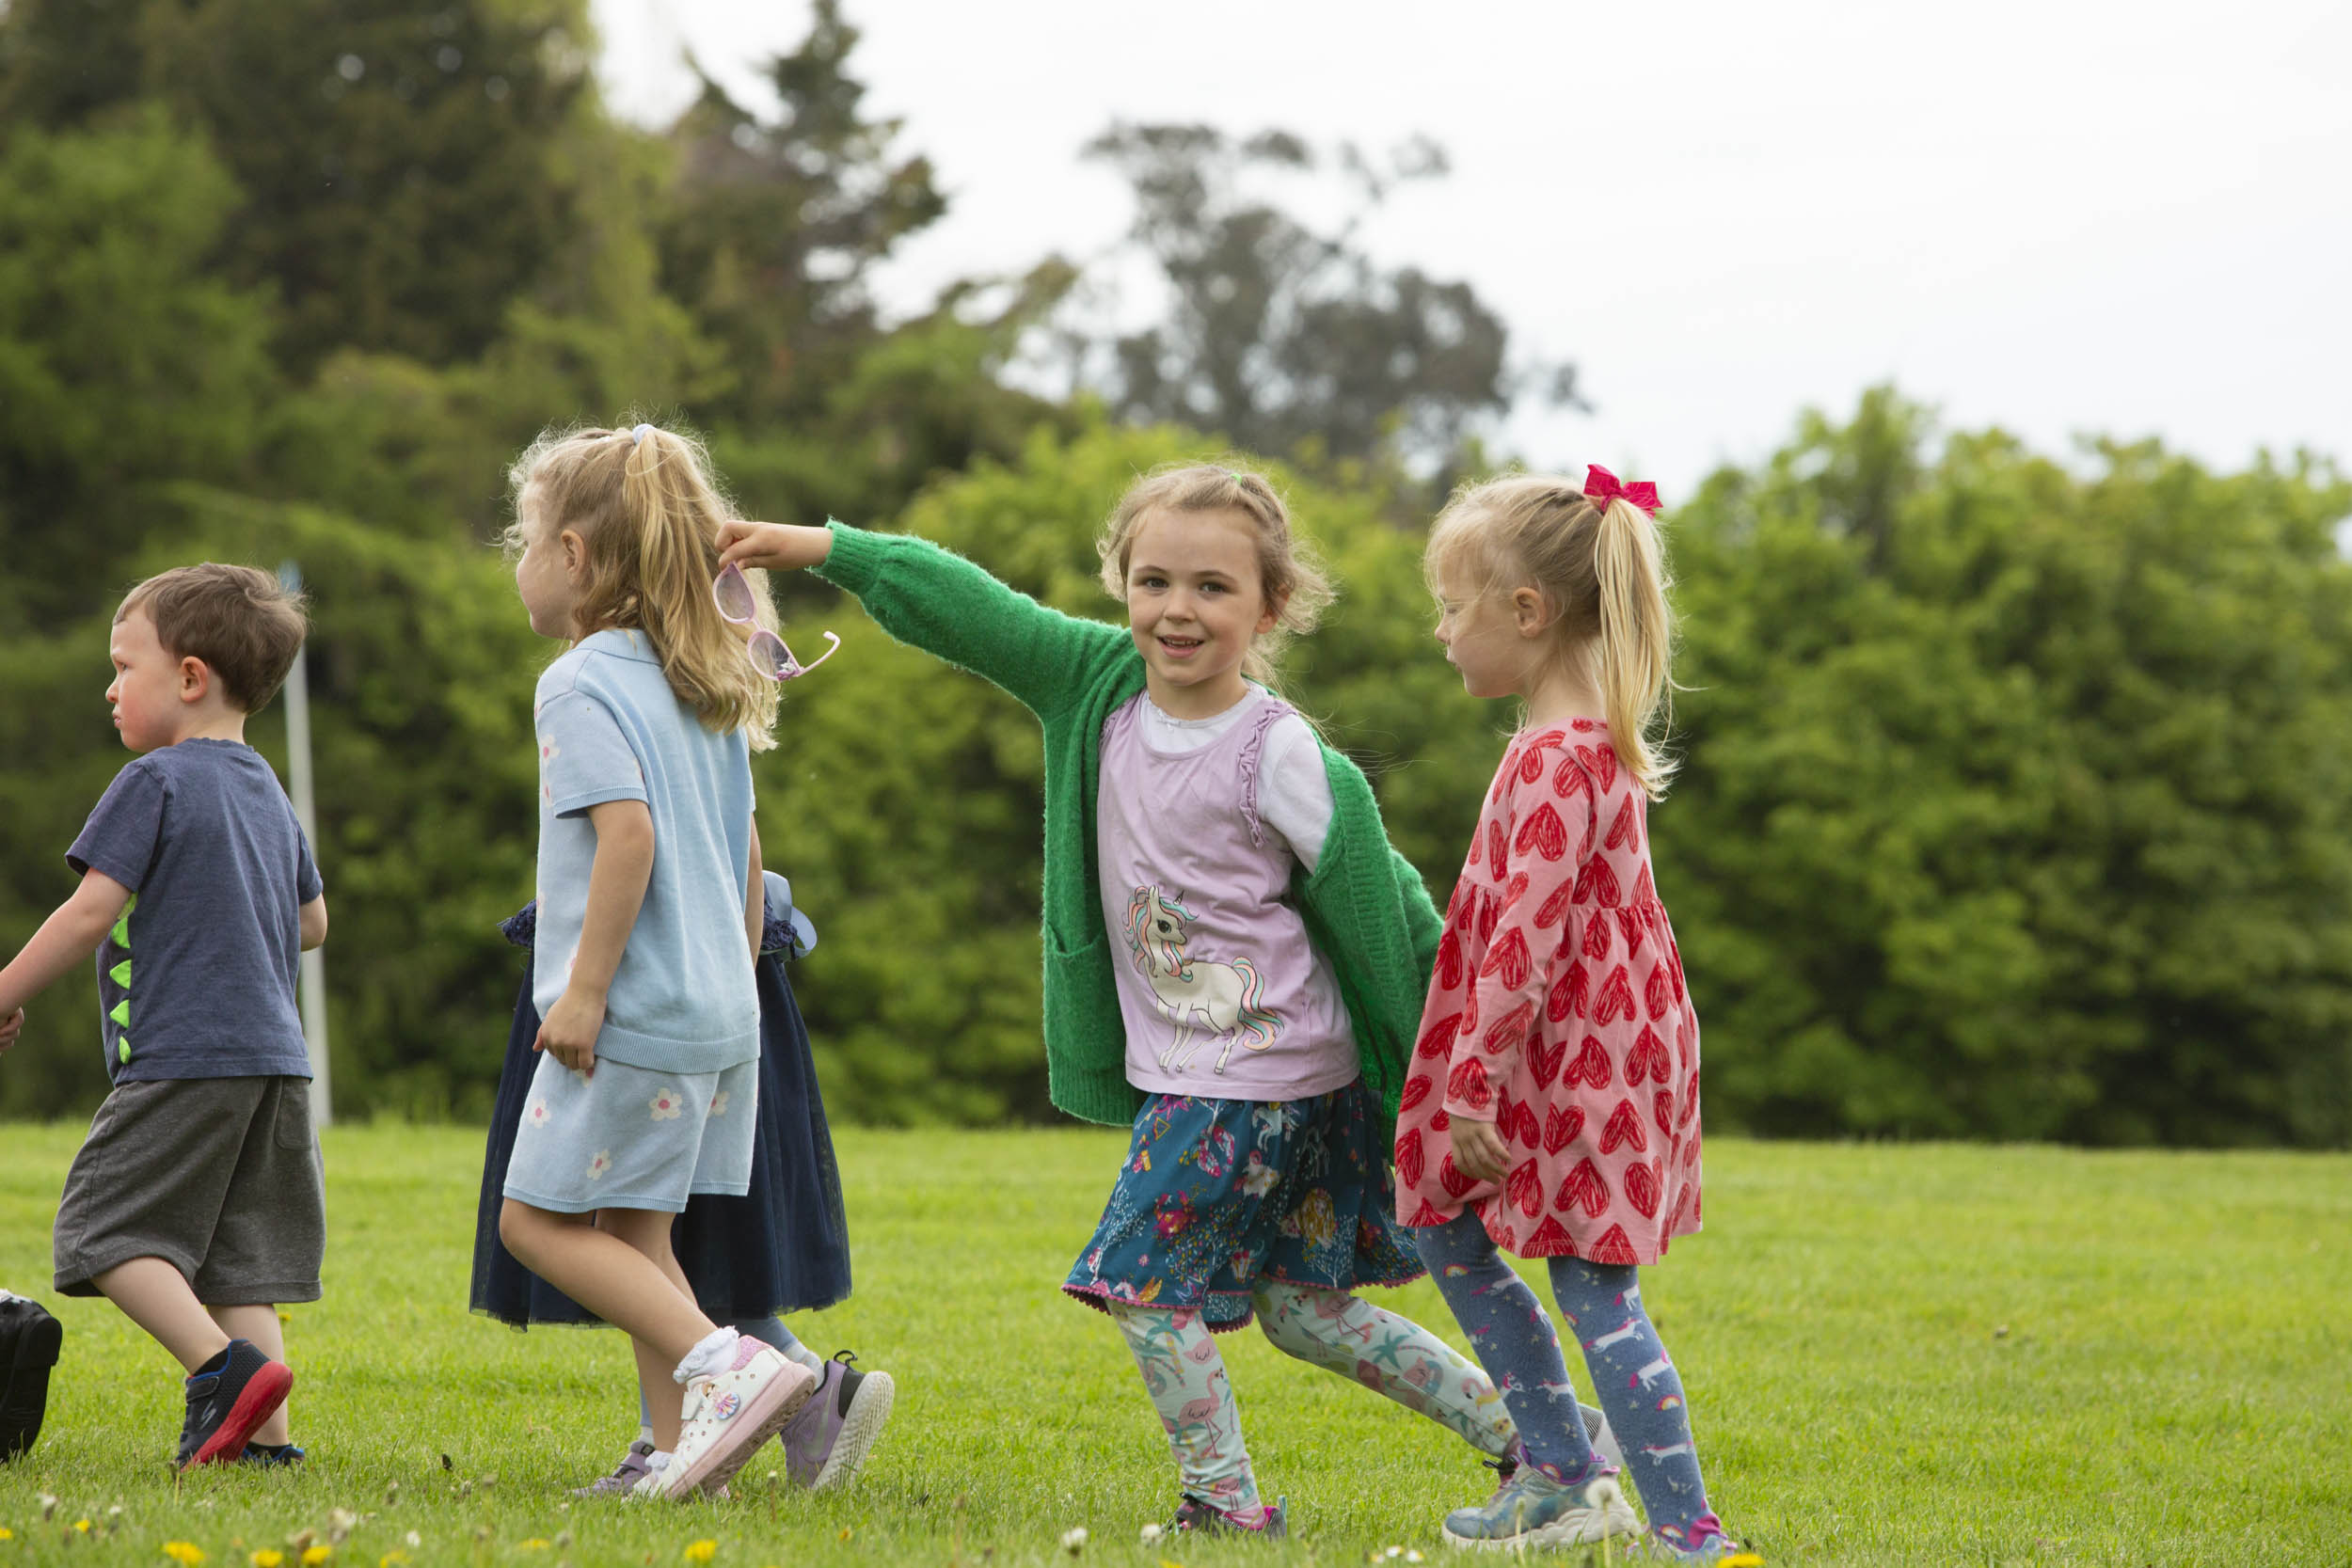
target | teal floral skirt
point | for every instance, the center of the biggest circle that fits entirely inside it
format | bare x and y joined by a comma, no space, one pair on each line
1218,1194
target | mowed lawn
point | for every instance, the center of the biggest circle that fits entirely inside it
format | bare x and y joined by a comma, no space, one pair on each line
1896,1355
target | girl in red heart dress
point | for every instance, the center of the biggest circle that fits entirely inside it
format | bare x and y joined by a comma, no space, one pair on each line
1552,1109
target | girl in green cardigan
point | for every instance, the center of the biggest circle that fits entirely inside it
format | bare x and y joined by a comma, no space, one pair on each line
1234,956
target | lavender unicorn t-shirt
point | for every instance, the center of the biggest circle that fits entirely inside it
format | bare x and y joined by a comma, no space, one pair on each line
1223,995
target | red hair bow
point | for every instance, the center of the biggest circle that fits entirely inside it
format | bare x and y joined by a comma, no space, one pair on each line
1601,487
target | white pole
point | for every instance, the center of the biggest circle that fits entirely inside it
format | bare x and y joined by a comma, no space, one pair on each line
306,813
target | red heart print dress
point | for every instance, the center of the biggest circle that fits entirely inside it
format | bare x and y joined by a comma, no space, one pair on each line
1558,1011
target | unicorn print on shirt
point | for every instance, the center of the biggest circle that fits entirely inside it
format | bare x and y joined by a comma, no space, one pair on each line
1203,998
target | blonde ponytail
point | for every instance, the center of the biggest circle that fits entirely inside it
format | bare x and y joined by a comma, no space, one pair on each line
1603,571
647,510
1633,641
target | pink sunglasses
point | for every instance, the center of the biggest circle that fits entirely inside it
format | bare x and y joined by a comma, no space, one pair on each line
768,653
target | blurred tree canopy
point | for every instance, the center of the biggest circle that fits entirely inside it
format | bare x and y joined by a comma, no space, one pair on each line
2014,801
1287,337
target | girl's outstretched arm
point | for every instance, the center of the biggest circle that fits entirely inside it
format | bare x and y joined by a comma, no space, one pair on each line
776,547
936,600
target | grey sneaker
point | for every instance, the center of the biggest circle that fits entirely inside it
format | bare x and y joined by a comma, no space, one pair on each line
1533,1510
824,1444
625,1476
1596,1432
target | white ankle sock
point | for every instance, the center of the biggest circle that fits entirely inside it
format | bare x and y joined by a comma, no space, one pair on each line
657,1461
709,1356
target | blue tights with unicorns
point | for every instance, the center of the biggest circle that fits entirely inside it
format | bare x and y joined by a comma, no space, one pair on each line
1229,1210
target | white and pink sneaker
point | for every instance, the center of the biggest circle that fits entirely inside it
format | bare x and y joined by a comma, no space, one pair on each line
728,1416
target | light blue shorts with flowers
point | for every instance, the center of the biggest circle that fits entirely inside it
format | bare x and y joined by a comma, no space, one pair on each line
631,1138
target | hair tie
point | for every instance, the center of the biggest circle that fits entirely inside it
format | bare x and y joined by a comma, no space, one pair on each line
637,437
1601,487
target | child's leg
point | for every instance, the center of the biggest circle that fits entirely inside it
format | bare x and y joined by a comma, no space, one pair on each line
771,1331
768,1331
1186,1378
1602,1304
1347,1335
259,1325
156,1295
614,1267
1513,1337
232,1395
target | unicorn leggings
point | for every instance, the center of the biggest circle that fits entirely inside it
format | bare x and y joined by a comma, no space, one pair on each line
1331,1329
1636,1383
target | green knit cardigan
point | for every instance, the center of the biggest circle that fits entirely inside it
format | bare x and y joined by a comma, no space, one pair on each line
1364,906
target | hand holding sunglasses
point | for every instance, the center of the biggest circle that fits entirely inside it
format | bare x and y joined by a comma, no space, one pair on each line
768,653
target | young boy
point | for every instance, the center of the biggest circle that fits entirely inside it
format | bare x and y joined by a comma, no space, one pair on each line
196,1204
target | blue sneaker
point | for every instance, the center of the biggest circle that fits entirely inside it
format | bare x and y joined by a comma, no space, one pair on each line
228,1401
1533,1510
271,1455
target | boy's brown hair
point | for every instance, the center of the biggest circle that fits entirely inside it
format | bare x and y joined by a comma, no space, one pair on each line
240,621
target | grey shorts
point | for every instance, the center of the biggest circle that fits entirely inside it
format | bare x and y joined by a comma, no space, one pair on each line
218,1177
632,1137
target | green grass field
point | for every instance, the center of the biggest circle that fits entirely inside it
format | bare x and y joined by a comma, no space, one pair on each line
1894,1354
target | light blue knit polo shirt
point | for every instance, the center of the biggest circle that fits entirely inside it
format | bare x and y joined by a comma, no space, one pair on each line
610,729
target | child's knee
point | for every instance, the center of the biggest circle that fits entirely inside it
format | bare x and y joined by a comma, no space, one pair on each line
520,1227
1461,1241
1583,1288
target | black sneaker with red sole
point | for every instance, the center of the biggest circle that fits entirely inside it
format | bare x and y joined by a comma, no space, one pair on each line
228,1405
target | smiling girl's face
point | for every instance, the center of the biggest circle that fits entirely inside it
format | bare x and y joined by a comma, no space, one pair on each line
1196,601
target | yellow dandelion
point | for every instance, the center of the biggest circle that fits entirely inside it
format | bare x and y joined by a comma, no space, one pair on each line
187,1553
268,1557
391,1559
1743,1559
82,1525
7,1534
313,1556
536,1543
702,1551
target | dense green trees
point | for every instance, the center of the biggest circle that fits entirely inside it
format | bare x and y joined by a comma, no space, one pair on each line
2018,800
2015,801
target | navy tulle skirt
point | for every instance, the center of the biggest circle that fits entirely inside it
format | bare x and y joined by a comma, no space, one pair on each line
783,1246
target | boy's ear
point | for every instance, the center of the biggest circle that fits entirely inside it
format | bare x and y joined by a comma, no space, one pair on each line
195,680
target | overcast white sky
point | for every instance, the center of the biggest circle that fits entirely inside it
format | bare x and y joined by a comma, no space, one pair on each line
2054,215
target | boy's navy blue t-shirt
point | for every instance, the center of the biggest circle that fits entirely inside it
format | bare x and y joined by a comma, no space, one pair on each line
197,979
